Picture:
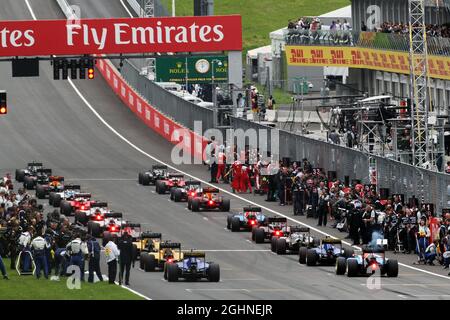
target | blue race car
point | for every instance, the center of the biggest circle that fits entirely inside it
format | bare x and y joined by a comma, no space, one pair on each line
368,261
326,253
192,267
247,219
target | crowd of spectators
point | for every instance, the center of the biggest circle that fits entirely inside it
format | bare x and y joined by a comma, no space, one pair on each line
433,30
361,211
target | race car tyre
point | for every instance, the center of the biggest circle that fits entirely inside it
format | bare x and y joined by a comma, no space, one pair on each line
160,187
40,192
20,175
281,246
273,244
341,265
94,229
140,177
214,272
392,268
150,263
195,205
56,200
172,272
142,260
311,258
229,217
107,236
189,203
348,252
145,180
165,270
352,267
50,198
302,255
81,217
65,208
171,194
225,206
177,195
235,224
259,235
253,232
28,183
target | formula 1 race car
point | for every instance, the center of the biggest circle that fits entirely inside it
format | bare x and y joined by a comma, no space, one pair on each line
31,169
54,184
147,242
275,227
95,213
190,189
55,198
326,253
293,239
112,227
193,267
164,252
79,202
368,261
151,176
40,176
208,199
247,219
173,180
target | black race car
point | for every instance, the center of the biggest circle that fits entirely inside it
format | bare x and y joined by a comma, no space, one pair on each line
40,176
151,176
189,189
275,227
54,184
31,169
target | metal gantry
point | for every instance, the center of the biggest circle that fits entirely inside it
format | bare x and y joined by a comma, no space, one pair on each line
148,11
421,144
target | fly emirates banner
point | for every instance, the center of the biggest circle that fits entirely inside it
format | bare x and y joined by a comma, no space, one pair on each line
124,35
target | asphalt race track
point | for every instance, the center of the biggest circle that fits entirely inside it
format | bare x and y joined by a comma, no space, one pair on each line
49,122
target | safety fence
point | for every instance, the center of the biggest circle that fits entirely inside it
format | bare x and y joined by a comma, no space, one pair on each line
180,110
372,40
399,178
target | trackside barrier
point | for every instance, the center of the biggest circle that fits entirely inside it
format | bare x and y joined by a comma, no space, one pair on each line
193,144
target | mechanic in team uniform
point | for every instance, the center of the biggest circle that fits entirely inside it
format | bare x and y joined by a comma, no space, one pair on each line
3,269
24,247
126,257
94,259
38,246
76,249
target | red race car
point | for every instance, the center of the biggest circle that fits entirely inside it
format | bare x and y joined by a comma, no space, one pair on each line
79,202
208,199
173,180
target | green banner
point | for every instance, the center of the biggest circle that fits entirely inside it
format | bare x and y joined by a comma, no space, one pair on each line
200,69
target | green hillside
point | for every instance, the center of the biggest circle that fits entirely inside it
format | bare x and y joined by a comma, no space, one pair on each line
260,17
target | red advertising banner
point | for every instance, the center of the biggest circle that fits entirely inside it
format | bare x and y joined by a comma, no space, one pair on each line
124,35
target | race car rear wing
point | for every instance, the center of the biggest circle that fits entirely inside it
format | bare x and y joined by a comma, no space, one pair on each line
35,164
276,220
176,175
72,187
151,235
56,178
193,183
83,195
210,190
99,205
299,229
170,245
331,241
44,170
252,209
194,254
113,215
131,225
159,167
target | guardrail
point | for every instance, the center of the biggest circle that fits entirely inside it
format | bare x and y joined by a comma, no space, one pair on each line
372,40
180,110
